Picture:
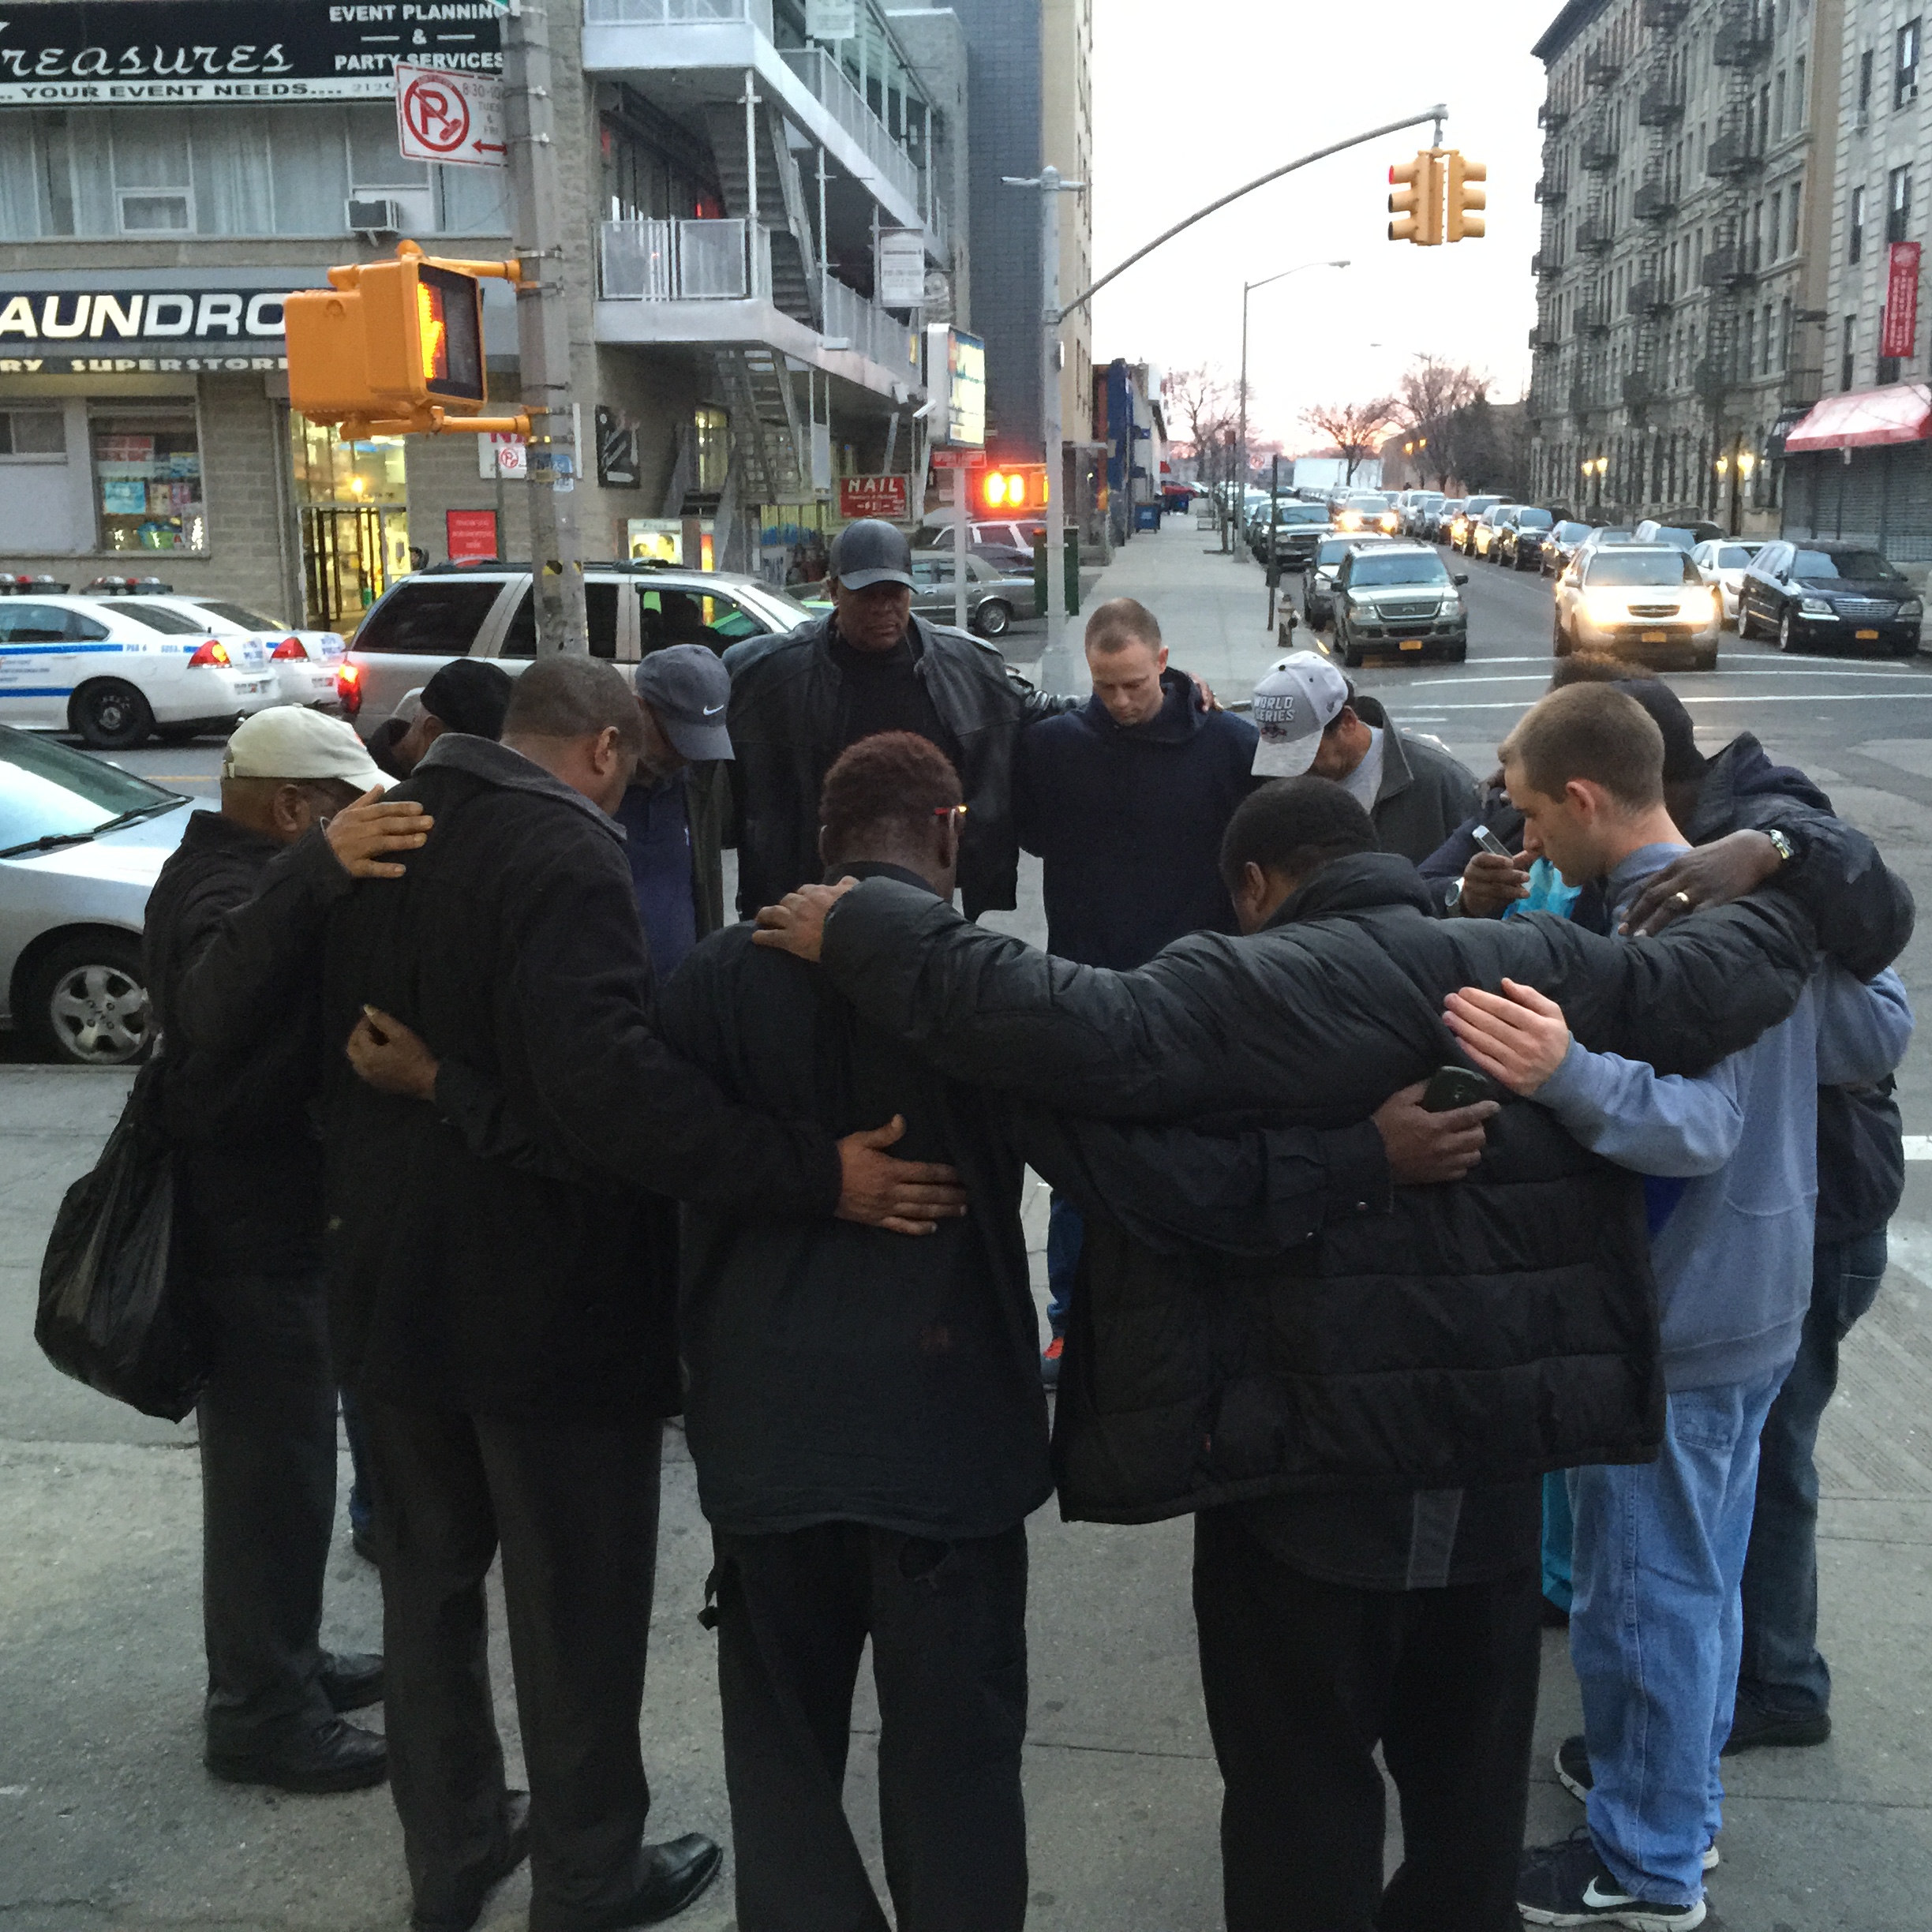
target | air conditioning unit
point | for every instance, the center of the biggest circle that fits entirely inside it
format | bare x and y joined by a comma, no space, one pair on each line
374,214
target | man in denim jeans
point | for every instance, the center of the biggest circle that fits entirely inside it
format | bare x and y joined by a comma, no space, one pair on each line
1784,1694
1730,1162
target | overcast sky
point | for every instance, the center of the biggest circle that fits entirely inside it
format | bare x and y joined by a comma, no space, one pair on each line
1193,100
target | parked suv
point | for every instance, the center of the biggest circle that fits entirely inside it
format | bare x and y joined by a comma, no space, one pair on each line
457,610
1399,598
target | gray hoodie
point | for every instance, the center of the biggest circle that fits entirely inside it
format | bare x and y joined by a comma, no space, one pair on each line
1732,1250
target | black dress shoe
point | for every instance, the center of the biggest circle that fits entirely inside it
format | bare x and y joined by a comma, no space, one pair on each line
669,1876
338,1757
1754,1726
515,1850
351,1680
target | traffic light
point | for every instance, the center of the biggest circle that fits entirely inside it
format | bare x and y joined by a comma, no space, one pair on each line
1418,201
1018,487
394,347
1463,200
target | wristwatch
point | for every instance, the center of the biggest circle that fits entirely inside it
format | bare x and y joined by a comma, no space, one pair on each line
1782,846
1452,899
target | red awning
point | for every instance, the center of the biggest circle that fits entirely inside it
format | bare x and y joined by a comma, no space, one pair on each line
1899,412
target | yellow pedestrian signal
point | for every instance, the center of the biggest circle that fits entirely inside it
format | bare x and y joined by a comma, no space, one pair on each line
1018,487
396,348
1463,199
1418,201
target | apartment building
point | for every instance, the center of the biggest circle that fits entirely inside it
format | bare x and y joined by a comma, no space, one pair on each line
1681,274
1859,465
732,185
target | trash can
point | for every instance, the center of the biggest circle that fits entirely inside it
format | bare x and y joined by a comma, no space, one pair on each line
1147,516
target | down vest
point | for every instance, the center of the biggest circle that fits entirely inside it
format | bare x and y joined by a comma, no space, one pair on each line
1477,1334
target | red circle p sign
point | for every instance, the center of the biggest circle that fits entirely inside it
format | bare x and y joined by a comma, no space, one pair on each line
436,114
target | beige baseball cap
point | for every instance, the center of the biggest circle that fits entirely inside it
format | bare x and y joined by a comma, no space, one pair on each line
290,741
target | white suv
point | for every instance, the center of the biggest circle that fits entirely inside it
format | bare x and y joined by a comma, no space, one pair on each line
486,610
120,670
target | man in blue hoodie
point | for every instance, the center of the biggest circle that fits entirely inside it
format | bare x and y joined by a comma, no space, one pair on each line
1126,800
1732,1161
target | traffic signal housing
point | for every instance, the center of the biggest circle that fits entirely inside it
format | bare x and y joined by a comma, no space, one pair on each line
394,347
1013,488
1416,203
1461,200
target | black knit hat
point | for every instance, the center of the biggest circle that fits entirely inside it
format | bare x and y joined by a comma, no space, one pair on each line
470,695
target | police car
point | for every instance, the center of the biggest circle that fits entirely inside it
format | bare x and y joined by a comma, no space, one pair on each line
118,671
304,663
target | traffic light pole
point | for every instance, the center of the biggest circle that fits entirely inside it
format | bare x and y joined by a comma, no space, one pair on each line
543,329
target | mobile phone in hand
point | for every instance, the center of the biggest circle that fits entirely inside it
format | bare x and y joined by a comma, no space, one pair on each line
1453,1087
1490,844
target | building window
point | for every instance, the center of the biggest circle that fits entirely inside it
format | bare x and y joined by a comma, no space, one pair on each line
1905,81
1777,221
1844,360
1790,230
1800,107
1898,202
148,483
713,451
1855,225
1865,85
34,435
1777,110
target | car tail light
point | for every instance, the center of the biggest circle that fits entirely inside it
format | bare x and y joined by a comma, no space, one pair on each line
289,649
349,688
213,652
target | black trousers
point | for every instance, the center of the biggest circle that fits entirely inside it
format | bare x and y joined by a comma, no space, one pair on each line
1303,1679
574,1507
267,1428
947,1625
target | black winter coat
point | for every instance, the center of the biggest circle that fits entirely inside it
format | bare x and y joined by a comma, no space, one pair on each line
229,947
1484,1332
539,1288
786,728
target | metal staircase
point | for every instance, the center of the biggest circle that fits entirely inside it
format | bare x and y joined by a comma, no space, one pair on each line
782,210
767,433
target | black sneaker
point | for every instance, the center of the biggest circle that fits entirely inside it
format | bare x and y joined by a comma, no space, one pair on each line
1754,1726
1573,1768
1568,1884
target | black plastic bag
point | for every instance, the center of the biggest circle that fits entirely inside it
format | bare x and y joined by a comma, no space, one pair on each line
111,1313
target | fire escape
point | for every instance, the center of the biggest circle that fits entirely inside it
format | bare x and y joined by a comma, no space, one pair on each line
1546,337
1652,296
1595,236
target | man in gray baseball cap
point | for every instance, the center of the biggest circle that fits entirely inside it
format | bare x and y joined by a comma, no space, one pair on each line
673,812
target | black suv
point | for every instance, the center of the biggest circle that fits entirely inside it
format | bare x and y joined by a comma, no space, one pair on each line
1829,597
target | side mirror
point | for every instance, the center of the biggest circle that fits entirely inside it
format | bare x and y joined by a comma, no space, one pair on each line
1461,577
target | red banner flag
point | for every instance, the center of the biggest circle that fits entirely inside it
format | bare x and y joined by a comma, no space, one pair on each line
1901,308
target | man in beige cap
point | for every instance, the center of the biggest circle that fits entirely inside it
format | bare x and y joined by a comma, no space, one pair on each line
300,821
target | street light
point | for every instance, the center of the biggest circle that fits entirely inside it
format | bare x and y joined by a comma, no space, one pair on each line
1247,288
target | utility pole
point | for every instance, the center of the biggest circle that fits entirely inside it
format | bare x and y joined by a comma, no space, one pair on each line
542,328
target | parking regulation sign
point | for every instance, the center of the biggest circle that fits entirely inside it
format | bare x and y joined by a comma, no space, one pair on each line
443,115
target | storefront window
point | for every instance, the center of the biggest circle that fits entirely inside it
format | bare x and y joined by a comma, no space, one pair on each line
353,500
148,483
713,450
656,540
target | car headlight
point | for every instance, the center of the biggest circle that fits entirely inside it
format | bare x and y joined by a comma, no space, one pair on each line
1911,610
1816,607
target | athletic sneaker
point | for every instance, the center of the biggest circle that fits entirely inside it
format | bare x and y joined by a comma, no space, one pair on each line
1569,1885
1573,1772
1753,1726
1050,1364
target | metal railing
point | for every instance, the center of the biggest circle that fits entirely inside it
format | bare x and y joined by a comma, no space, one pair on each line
683,261
826,81
677,12
662,261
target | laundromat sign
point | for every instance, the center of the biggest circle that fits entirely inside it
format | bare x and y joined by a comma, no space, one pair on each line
118,52
71,331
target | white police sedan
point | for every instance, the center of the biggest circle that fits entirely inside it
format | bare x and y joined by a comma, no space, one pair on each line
303,662
120,670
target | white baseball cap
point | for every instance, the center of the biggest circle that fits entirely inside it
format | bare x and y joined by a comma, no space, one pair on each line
292,742
1300,698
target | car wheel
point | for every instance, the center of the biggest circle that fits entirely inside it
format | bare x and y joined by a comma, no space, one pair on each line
1747,628
992,619
1788,633
87,1002
111,715
1351,651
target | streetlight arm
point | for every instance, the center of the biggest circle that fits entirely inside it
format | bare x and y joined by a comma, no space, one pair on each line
1288,167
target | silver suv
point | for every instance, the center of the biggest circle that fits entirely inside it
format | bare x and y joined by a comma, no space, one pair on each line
460,611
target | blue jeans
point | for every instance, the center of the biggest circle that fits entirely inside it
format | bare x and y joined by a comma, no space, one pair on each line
1655,1631
1065,1231
1558,1531
1782,1670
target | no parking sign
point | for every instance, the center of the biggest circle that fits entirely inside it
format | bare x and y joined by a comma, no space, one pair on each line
444,115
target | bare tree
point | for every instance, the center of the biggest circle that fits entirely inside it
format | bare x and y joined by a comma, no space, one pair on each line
1202,401
1434,392
1355,428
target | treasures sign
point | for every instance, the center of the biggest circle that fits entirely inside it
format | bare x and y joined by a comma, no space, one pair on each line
114,52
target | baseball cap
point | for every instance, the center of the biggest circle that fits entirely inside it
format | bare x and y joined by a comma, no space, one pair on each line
687,688
293,742
470,695
871,551
1299,698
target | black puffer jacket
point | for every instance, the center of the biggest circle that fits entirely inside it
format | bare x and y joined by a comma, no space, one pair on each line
1483,1332
786,728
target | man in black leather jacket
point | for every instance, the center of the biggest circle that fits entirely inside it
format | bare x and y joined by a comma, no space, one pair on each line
798,701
